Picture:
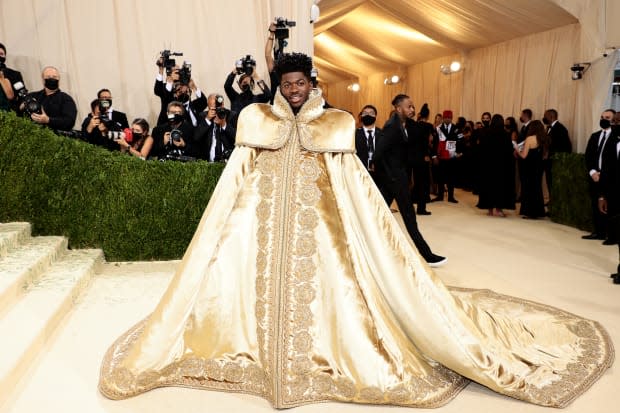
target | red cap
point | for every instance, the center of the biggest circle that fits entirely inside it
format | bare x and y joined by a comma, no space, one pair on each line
447,114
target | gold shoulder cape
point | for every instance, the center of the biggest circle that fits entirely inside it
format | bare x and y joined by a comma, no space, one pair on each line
300,287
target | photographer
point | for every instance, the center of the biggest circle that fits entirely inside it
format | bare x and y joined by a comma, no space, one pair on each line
215,134
173,139
178,86
50,107
248,79
108,113
93,129
141,142
11,76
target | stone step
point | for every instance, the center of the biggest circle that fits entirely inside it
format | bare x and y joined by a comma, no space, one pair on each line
21,266
32,320
12,235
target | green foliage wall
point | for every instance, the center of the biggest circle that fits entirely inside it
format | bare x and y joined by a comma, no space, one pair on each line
570,198
130,208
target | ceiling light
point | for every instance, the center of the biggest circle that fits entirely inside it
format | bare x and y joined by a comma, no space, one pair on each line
455,66
354,87
395,79
391,80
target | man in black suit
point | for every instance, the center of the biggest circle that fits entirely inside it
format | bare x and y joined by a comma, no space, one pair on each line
420,159
391,159
594,162
366,138
215,135
171,89
560,142
105,102
177,146
445,149
525,118
609,196
12,75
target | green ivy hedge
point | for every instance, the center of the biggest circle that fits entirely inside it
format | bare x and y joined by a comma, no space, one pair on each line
130,208
570,198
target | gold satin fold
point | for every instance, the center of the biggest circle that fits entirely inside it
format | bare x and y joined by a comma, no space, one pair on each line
299,286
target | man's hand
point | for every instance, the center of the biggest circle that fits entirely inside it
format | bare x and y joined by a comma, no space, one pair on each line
602,205
42,119
192,85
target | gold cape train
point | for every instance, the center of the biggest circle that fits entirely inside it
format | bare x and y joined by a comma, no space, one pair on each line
299,286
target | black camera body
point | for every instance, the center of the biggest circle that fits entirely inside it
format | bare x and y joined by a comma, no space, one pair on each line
282,26
31,104
221,112
175,135
185,73
245,65
167,62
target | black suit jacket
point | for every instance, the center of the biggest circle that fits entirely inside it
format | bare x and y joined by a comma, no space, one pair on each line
453,135
392,153
523,133
203,139
609,182
361,144
591,154
14,76
560,142
160,150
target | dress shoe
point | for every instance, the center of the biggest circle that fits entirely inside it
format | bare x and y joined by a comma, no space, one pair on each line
617,279
454,201
593,235
437,199
610,242
436,261
614,275
423,212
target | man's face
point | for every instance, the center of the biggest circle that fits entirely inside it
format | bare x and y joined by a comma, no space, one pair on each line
369,112
406,109
295,88
105,95
50,73
176,110
2,53
447,120
608,115
486,118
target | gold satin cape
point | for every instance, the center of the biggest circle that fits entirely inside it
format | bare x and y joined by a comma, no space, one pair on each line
299,286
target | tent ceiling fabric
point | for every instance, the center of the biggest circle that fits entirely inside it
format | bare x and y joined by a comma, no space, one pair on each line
360,37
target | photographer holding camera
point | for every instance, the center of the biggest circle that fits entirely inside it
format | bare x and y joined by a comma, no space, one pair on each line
93,129
245,68
8,77
215,134
50,106
178,86
173,140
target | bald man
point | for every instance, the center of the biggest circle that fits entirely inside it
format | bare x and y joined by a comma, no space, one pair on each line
58,110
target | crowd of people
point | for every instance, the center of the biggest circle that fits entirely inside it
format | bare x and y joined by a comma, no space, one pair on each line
495,159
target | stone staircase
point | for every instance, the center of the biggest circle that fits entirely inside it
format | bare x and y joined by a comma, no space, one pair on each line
40,280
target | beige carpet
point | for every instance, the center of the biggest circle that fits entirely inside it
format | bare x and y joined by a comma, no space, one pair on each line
536,260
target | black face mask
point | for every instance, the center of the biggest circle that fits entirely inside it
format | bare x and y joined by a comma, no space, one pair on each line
51,84
368,120
604,123
545,121
136,136
174,119
521,120
2,59
183,98
486,122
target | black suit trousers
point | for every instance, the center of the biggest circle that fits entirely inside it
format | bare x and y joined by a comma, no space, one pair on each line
599,220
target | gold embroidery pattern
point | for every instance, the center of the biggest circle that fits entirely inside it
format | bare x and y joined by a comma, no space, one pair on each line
597,354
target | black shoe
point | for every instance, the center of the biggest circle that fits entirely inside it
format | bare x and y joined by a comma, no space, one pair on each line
437,199
610,242
613,275
593,235
436,261
617,279
423,212
454,201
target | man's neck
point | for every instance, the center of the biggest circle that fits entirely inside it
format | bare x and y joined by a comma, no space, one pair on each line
50,92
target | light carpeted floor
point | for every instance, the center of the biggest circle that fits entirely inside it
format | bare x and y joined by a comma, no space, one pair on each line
536,260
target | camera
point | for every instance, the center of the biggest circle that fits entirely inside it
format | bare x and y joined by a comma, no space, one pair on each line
31,104
176,135
104,106
245,65
167,62
185,73
221,112
282,26
125,133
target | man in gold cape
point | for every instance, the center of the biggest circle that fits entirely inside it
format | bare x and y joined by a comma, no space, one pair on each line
299,286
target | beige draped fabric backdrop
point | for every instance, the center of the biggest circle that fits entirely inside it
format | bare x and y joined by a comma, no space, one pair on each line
115,43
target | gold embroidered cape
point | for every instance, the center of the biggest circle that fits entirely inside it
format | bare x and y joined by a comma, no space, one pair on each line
300,287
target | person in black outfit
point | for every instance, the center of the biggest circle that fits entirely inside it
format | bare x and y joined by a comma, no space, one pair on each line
391,166
497,180
171,89
559,142
445,148
609,199
247,84
215,134
93,130
419,159
532,153
58,110
164,144
13,76
594,162
113,120
366,138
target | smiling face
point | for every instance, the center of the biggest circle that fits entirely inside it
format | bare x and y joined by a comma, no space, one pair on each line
295,87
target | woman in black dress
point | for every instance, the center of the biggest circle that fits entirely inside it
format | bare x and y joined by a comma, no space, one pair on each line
532,153
497,169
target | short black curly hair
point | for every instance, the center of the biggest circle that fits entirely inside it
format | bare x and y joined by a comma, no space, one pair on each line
294,62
